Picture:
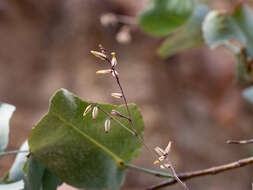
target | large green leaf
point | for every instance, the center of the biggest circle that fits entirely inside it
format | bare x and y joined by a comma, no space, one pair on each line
37,177
77,149
220,27
6,111
165,16
243,16
189,36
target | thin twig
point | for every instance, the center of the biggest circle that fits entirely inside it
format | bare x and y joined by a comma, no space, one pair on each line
176,178
13,152
240,142
148,171
208,171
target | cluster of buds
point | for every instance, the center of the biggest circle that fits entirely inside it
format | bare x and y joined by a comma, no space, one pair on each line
95,114
110,59
163,154
94,111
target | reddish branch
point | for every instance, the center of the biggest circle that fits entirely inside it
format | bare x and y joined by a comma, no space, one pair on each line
240,142
208,171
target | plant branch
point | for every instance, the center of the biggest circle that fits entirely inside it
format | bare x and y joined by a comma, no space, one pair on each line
13,152
208,171
145,170
240,142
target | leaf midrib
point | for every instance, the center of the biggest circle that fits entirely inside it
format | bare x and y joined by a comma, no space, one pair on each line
105,149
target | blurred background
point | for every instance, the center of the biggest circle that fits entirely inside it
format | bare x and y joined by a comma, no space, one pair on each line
191,98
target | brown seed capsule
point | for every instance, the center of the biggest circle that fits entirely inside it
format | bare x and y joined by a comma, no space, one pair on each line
94,112
87,110
107,125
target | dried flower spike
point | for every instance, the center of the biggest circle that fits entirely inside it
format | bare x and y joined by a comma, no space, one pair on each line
114,60
99,55
107,125
94,112
87,110
117,95
106,71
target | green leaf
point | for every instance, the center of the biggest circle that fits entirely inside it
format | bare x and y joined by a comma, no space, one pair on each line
33,171
19,185
37,177
16,171
248,94
243,16
189,36
165,16
219,28
77,149
6,111
50,181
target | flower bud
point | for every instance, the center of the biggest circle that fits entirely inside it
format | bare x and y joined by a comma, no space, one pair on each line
115,113
156,162
107,125
106,71
167,165
115,73
114,60
167,149
99,55
94,112
159,151
87,110
117,95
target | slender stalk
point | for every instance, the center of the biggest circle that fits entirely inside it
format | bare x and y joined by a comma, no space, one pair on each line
176,178
13,152
240,142
147,171
209,171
